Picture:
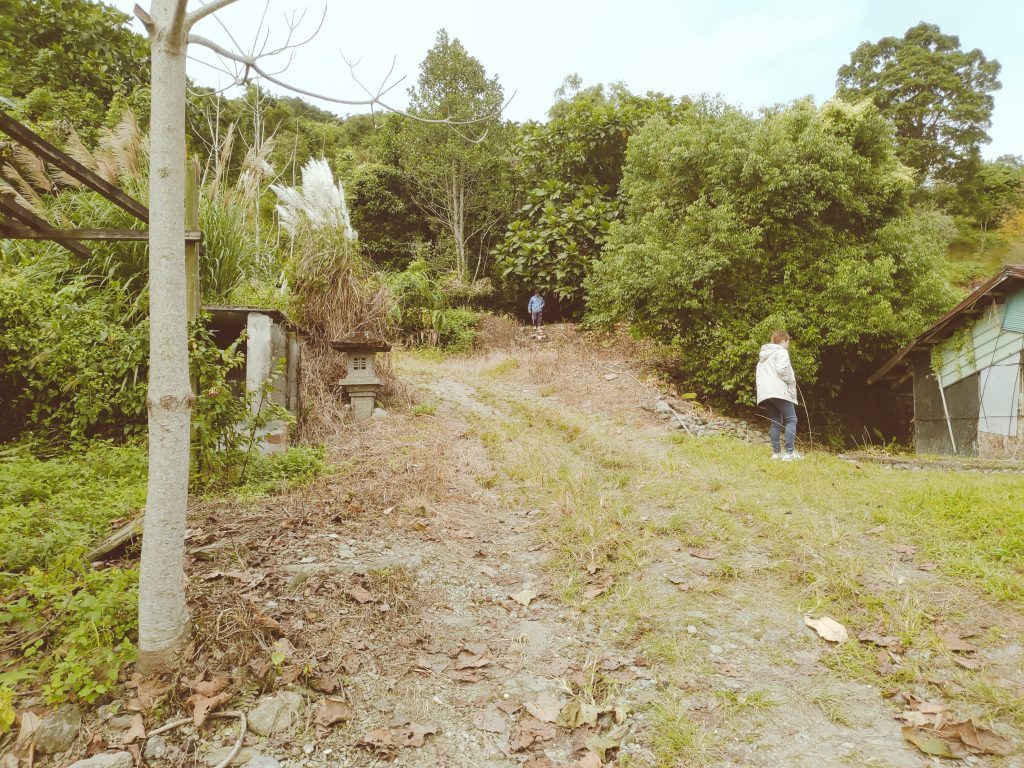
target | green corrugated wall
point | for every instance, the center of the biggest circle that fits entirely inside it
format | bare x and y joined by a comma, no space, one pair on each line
1013,318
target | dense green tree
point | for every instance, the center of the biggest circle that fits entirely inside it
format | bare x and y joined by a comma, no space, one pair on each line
735,225
68,59
991,194
568,171
391,229
457,172
938,96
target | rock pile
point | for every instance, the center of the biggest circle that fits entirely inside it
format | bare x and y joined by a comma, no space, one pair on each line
684,416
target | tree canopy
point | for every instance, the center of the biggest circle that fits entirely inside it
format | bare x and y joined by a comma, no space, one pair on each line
455,171
68,59
736,225
568,171
938,96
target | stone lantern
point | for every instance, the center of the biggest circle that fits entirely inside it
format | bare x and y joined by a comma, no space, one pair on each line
361,383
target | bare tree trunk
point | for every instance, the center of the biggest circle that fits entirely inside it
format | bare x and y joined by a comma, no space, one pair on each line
163,615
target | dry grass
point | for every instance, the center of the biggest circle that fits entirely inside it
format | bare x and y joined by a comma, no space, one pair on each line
498,333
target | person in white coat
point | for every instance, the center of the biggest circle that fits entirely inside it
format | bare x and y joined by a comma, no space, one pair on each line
776,391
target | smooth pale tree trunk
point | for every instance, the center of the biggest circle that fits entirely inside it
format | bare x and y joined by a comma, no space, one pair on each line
163,615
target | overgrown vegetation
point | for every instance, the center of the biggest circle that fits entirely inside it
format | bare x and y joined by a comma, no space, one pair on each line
69,626
828,537
695,223
800,219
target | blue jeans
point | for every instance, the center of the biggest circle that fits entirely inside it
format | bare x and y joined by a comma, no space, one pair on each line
536,317
781,412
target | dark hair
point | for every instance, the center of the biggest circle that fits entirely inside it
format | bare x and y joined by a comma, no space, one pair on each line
779,336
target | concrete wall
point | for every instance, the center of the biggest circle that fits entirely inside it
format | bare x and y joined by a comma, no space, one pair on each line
266,357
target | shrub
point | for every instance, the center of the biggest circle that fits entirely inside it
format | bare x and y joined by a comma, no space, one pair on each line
70,368
800,219
455,328
281,471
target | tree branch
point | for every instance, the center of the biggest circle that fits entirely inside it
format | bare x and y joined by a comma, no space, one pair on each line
203,11
251,66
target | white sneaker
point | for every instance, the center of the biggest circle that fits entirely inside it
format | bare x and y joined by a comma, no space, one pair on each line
776,455
792,456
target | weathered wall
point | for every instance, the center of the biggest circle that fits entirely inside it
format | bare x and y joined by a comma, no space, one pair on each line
985,342
931,430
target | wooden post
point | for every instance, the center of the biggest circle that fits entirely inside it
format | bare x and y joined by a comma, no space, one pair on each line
945,410
193,297
192,247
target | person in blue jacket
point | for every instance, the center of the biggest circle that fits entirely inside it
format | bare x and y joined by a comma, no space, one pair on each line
536,309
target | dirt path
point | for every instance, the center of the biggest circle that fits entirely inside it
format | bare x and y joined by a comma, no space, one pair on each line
757,659
528,570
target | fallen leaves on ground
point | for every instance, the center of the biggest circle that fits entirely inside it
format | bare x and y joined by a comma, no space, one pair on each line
472,656
490,720
415,734
577,713
957,740
380,741
955,643
358,592
326,683
202,706
28,723
217,683
967,663
703,554
827,629
978,740
545,708
882,641
148,691
351,662
588,760
598,587
528,731
332,710
135,732
904,549
96,745
602,743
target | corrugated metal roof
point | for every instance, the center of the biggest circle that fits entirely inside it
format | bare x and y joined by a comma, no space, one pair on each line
1009,274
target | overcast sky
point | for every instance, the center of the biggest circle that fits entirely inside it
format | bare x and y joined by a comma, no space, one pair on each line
752,52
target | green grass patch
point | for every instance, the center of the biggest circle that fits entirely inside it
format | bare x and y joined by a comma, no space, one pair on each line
503,367
68,627
54,506
677,740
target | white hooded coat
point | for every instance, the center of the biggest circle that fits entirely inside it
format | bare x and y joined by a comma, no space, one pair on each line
775,377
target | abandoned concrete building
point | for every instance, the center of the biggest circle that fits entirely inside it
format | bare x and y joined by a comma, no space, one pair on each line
272,352
966,374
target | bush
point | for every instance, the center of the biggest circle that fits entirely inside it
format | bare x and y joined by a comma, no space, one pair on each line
74,628
456,328
421,310
282,471
799,219
70,368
